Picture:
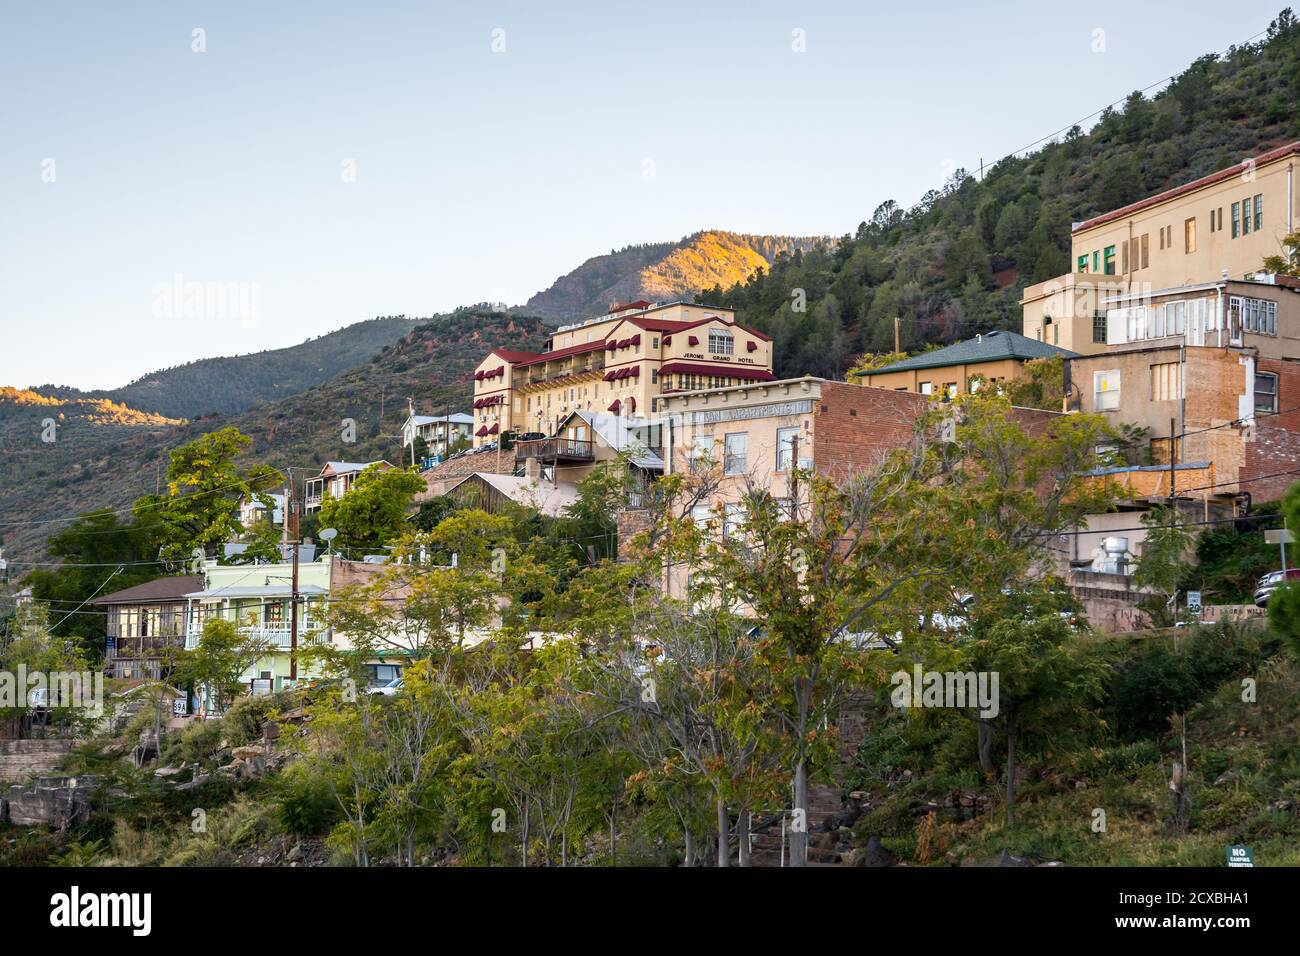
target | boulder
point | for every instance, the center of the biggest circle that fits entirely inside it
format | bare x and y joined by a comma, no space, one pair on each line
244,753
168,771
873,854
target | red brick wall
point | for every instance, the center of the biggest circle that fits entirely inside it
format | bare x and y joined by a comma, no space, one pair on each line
855,427
1276,443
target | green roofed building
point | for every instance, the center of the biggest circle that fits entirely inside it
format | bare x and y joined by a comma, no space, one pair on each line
991,357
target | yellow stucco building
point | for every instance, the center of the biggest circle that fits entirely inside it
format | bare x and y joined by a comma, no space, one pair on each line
618,363
1221,226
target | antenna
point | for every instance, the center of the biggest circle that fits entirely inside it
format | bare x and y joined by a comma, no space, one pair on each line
328,535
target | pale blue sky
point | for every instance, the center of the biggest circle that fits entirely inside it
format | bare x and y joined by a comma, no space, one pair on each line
482,175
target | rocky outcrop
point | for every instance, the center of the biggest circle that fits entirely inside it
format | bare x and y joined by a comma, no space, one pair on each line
50,801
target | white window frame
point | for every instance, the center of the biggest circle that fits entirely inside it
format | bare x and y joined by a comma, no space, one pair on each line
1112,395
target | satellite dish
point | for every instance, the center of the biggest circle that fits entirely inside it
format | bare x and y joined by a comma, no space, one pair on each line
328,535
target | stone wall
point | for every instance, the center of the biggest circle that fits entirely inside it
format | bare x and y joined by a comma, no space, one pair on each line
21,759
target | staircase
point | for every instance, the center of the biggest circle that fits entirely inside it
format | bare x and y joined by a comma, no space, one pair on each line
825,802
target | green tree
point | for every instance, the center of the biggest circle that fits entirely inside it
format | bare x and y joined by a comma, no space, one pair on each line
373,512
204,488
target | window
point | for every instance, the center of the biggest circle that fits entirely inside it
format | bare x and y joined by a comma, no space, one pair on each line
1105,389
654,376
720,342
1189,236
1083,263
1259,212
654,343
1236,219
1146,249
701,452
1165,382
1265,392
925,388
732,520
1256,315
785,441
701,514
1099,327
1108,260
949,391
1245,217
1096,261
735,457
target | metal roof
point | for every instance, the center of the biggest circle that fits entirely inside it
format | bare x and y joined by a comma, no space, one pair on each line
989,347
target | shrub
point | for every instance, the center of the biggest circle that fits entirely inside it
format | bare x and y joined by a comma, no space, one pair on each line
197,743
246,717
304,803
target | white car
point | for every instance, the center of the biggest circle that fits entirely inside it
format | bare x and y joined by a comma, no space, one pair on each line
390,689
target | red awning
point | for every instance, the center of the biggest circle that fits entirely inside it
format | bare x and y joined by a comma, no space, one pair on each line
478,403
726,371
615,405
668,340
635,371
609,376
611,345
482,430
751,346
635,340
478,376
494,429
501,371
692,340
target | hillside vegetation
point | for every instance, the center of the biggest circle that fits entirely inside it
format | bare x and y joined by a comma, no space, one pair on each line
662,271
957,262
232,384
105,456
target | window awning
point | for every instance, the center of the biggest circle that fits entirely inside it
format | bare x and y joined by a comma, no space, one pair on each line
611,375
692,340
482,430
494,429
611,345
615,405
751,346
668,340
478,376
726,371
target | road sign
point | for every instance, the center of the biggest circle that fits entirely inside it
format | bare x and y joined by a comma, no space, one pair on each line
1194,602
1240,856
1279,536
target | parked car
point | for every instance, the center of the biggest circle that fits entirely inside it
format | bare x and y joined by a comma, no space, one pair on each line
1272,581
391,689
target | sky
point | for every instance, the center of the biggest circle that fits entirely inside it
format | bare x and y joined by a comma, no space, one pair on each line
180,180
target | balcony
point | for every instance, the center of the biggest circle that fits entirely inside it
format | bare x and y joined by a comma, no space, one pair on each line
569,450
275,635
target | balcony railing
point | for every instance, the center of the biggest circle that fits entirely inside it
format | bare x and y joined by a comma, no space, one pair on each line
561,449
275,635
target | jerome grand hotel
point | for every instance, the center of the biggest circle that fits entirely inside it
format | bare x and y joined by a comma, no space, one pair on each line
617,364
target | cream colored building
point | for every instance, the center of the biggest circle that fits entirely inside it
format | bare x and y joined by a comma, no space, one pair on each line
617,364
1219,226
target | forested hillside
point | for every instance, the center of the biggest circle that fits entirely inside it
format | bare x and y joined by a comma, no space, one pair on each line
231,384
956,263
105,455
661,271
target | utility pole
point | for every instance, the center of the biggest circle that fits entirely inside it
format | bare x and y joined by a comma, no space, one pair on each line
410,408
291,517
896,348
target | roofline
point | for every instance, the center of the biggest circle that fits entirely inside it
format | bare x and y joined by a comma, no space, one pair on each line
1272,156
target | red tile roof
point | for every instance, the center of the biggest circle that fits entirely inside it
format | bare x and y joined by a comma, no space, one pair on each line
1223,174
